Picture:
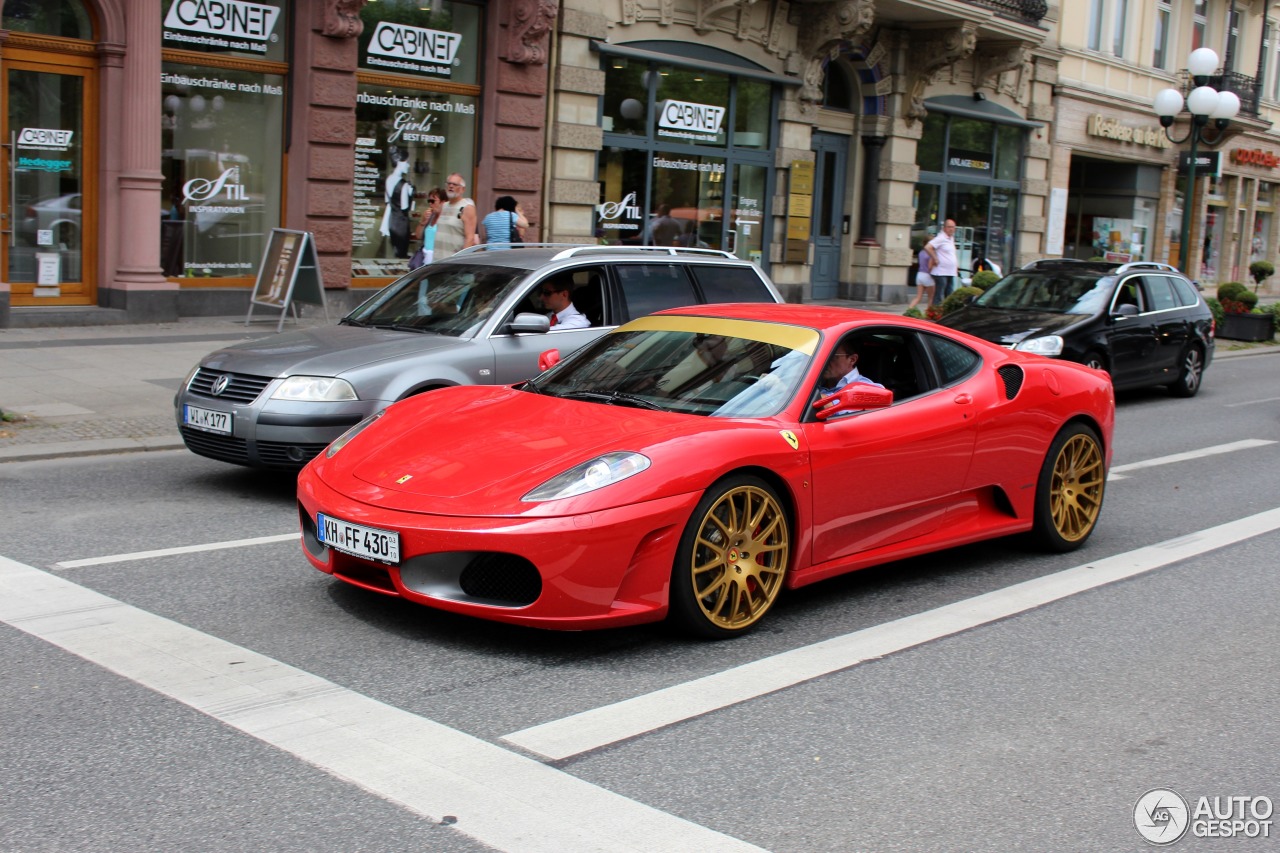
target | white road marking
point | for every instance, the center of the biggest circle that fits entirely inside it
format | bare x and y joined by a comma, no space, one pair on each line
169,552
498,797
1251,402
609,724
1116,472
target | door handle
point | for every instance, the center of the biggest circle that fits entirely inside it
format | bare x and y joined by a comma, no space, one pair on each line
964,399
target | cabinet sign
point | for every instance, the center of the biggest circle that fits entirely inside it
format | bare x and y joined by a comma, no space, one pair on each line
700,122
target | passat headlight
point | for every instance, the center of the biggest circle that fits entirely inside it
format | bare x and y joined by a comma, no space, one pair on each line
315,389
589,476
341,441
1050,345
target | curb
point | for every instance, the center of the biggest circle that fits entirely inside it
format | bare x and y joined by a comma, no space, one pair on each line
91,447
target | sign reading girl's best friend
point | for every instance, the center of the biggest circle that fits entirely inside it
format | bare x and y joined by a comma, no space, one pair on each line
289,274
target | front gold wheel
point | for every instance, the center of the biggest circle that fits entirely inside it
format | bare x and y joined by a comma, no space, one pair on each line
733,559
1070,491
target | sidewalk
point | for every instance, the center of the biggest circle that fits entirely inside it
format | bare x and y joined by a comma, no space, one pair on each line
82,390
109,389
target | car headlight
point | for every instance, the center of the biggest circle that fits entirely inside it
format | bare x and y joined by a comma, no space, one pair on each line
315,389
1050,345
589,476
341,441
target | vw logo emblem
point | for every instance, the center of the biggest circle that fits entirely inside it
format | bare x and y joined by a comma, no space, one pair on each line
220,384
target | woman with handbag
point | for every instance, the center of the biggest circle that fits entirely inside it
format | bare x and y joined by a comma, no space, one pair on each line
506,224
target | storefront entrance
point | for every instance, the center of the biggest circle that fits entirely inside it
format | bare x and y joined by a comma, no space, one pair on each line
47,190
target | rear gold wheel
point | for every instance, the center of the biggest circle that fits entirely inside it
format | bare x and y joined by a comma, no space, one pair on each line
732,559
1069,494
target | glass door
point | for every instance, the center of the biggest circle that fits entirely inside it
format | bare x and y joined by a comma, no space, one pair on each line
48,194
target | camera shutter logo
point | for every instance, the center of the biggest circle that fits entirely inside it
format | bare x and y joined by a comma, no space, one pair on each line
1161,816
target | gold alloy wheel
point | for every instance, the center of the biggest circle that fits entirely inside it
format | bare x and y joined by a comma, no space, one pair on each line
740,557
1075,492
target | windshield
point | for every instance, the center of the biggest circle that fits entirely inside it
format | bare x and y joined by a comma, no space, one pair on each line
449,299
714,375
1058,293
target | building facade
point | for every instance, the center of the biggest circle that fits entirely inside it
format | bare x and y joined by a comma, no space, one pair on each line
152,146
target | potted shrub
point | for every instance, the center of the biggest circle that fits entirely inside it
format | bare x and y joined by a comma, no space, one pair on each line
1261,271
1239,322
983,279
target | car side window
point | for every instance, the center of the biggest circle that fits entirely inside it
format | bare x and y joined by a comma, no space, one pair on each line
646,288
1186,292
955,361
1160,293
1128,293
730,284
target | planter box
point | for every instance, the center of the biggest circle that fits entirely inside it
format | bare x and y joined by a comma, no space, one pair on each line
1247,327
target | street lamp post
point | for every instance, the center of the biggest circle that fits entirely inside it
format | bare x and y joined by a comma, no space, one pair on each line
1204,103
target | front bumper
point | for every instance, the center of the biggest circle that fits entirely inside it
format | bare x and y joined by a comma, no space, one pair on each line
594,570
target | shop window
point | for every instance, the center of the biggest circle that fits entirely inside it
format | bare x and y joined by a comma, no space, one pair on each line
221,153
1009,152
64,18
407,143
626,94
931,149
752,114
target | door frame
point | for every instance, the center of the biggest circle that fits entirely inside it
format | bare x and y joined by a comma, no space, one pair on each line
85,291
828,225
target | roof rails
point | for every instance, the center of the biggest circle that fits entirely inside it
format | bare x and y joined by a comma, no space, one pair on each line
1146,265
1046,261
569,250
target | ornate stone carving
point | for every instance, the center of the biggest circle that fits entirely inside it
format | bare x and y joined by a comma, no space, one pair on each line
531,22
708,9
937,52
824,26
342,18
992,60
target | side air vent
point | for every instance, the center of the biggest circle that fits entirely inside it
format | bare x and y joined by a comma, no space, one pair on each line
1011,375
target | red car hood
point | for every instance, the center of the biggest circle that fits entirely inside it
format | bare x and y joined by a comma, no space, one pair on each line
478,450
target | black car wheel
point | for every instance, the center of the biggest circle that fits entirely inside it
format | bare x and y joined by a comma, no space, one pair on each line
1069,491
1190,374
732,559
1095,359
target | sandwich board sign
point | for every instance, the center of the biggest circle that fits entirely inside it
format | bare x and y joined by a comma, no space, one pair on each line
289,275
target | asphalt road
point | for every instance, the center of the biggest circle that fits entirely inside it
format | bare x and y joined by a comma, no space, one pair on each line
1037,729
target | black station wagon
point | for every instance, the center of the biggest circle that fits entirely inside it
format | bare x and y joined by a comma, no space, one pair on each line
1144,323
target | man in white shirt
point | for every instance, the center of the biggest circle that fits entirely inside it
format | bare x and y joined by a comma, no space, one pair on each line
556,299
842,370
942,249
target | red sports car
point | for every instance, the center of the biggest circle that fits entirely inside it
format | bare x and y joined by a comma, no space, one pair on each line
695,462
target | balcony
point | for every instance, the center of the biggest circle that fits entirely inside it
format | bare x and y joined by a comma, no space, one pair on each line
1245,87
1022,11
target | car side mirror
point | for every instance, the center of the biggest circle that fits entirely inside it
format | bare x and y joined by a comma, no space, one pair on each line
1126,310
855,396
530,323
548,359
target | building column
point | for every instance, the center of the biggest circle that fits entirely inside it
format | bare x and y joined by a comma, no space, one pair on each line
135,281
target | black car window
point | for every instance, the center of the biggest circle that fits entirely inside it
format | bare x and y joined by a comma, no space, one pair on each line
1186,292
730,284
1160,295
1128,293
955,361
1060,292
652,287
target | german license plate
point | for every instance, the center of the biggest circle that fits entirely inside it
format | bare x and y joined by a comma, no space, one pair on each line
207,420
370,543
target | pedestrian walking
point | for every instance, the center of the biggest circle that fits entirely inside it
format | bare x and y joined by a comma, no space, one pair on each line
942,251
456,227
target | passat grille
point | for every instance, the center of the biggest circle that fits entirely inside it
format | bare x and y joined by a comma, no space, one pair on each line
241,387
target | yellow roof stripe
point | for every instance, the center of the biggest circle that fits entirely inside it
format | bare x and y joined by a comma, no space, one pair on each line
792,337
